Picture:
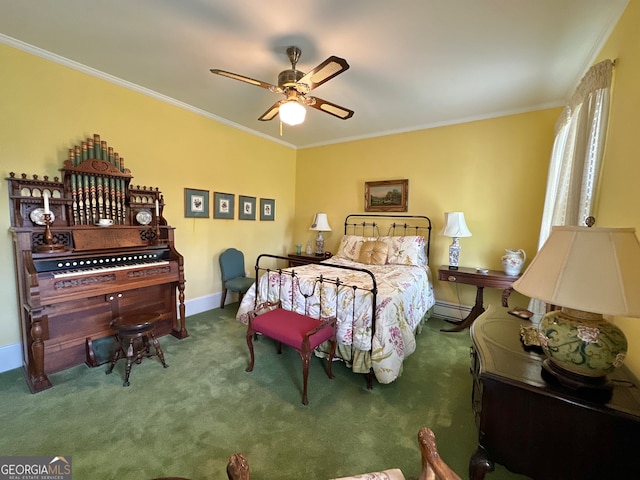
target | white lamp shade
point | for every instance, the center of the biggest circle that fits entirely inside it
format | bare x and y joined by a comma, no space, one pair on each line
454,225
590,269
320,223
292,113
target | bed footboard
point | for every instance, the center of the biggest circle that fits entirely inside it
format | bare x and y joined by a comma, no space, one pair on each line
320,295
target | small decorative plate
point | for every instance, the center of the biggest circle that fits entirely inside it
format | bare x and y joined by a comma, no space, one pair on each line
144,217
521,313
37,216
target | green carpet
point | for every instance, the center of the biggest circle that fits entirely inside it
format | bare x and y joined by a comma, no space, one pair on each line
187,420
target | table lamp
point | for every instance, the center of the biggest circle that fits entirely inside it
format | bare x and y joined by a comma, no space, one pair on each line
320,224
455,227
588,272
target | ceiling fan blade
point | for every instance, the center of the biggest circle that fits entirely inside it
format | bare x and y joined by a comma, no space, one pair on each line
249,80
272,112
324,72
328,107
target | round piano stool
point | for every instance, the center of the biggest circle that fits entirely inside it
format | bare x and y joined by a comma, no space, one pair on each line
133,332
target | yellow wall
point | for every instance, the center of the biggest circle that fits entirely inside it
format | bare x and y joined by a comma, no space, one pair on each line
619,204
494,171
45,108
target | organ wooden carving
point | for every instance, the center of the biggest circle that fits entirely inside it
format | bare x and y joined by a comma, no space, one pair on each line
75,274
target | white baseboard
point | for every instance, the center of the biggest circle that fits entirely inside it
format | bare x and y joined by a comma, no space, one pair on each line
11,355
202,304
451,311
208,302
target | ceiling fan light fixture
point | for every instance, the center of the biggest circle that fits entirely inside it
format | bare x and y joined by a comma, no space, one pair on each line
292,113
295,85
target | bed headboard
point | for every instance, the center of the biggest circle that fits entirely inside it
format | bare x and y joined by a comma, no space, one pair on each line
377,224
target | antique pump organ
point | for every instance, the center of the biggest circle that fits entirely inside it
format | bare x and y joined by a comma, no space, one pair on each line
88,248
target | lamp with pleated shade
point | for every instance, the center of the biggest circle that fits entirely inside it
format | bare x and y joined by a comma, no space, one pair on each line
588,272
320,224
455,227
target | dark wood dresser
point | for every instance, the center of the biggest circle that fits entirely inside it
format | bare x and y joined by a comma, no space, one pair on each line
535,427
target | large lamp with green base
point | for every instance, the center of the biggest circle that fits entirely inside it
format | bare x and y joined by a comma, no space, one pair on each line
588,272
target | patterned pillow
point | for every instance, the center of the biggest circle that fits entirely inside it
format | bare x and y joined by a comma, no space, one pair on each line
350,246
373,253
407,250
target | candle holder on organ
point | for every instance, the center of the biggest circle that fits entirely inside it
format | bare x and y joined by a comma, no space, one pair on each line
157,239
48,246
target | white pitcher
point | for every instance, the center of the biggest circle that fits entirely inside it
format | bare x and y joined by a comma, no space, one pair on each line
513,260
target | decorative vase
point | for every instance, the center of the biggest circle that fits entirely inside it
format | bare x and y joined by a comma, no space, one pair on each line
513,260
581,343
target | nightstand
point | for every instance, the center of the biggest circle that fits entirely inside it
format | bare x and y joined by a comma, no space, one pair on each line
470,276
296,260
533,425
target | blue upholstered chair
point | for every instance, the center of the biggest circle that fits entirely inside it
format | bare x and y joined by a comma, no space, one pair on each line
234,277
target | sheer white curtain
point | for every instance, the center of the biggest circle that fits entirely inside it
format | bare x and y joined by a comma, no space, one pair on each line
576,155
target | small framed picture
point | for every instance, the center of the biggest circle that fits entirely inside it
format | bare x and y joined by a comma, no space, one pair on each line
267,209
223,205
247,208
386,196
196,203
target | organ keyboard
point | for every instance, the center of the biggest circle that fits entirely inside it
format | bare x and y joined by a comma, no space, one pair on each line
72,266
106,268
73,277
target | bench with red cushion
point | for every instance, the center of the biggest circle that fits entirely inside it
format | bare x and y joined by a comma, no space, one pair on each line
295,330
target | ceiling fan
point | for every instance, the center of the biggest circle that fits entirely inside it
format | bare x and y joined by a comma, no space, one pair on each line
295,86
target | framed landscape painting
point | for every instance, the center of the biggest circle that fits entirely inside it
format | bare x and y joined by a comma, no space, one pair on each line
386,196
223,205
196,203
247,208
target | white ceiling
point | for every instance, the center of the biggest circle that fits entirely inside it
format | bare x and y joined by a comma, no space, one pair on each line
414,63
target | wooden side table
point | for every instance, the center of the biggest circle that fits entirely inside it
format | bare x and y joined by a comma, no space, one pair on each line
470,276
531,424
296,260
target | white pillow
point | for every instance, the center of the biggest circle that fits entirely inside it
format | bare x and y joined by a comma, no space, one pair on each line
407,250
350,246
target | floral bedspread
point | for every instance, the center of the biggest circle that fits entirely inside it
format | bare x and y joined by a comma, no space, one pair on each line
405,296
